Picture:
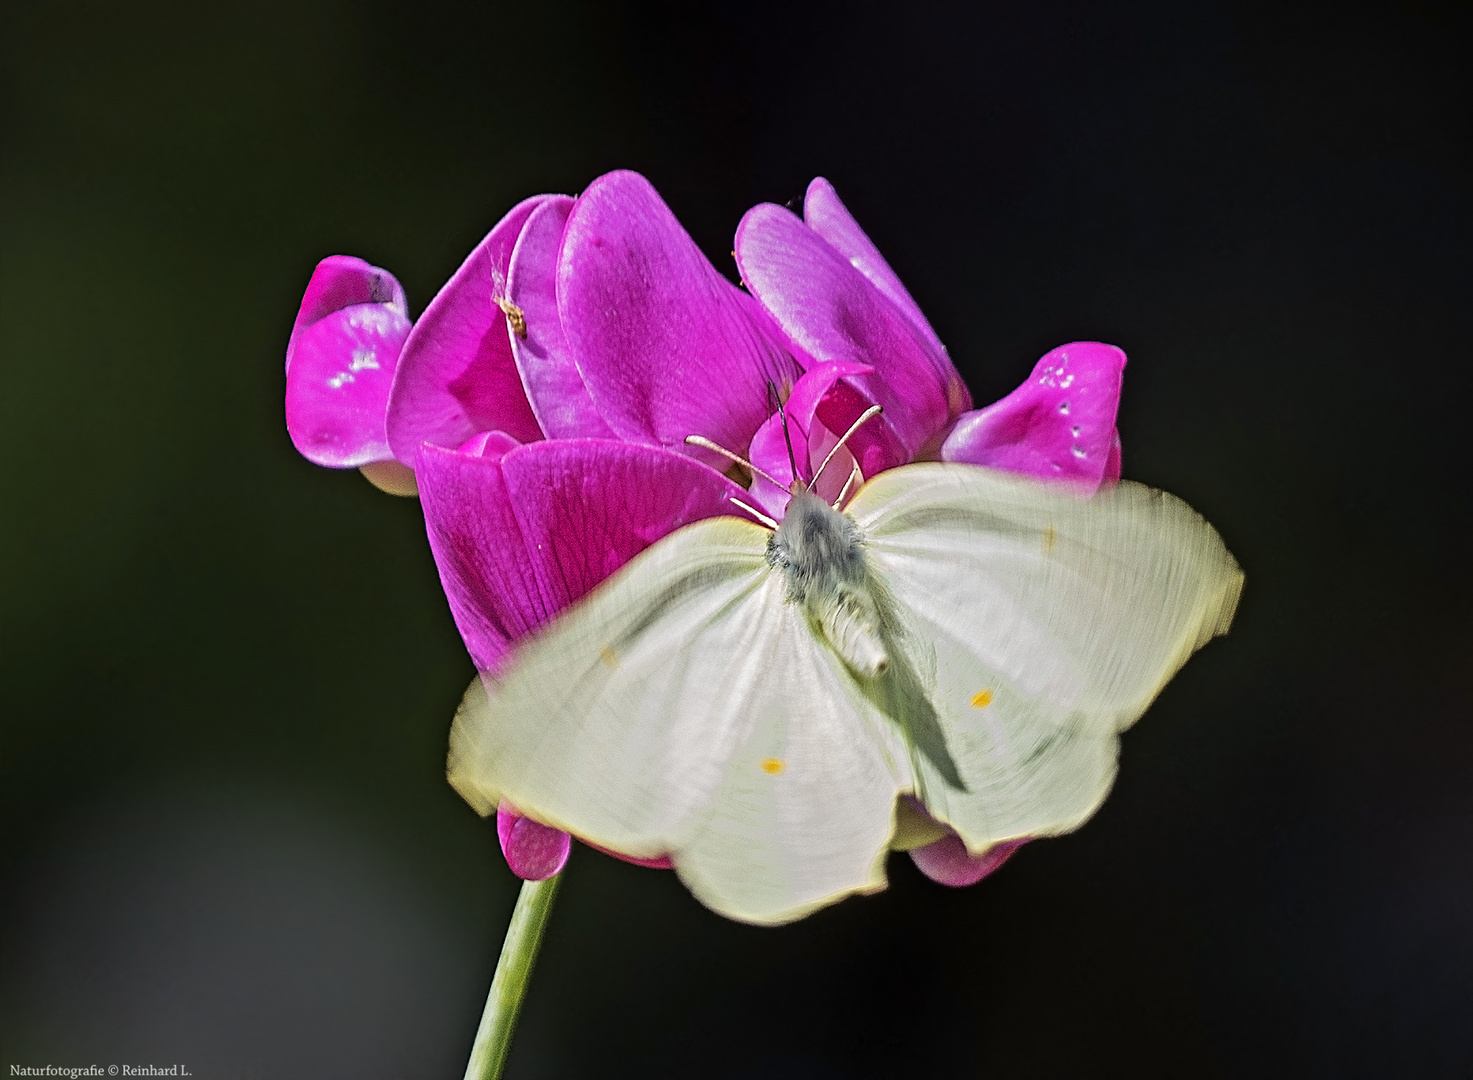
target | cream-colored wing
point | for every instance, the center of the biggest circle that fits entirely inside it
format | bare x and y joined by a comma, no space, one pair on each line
686,708
1027,629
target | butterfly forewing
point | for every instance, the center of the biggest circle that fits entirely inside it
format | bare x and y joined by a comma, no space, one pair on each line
574,729
687,707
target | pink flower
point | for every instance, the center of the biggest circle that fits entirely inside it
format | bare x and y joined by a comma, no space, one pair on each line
544,396
831,291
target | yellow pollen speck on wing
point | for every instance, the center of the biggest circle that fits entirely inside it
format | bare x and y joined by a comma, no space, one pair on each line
981,699
1049,536
609,658
772,766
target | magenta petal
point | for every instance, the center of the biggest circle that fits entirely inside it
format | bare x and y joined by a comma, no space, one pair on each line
457,375
518,538
555,389
588,506
833,312
340,362
533,851
1059,425
830,218
666,345
488,576
947,861
876,446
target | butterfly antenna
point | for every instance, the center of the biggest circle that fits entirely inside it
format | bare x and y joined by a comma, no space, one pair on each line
758,514
788,439
774,400
854,474
873,410
707,444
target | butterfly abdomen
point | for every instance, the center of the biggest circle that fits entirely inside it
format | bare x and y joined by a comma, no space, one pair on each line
821,554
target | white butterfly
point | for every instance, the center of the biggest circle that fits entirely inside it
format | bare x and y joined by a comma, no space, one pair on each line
754,702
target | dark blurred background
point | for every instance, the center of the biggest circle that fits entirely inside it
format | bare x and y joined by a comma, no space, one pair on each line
227,675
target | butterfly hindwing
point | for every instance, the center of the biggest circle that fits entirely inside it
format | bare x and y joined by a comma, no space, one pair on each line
805,808
1040,626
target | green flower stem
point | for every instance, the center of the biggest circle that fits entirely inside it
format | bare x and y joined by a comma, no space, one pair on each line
509,984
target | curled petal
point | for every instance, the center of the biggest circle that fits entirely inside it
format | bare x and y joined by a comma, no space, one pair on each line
340,362
811,440
555,389
520,536
489,444
534,851
830,218
834,313
1059,425
342,281
814,386
948,862
457,376
667,346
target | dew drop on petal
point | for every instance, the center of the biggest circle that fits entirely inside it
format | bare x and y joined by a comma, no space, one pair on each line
1078,452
